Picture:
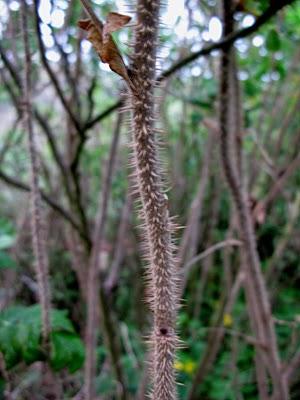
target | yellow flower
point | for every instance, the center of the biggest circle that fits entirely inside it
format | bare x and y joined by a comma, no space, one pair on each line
179,365
189,367
227,320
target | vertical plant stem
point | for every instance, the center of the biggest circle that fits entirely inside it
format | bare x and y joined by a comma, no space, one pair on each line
37,225
155,213
95,290
256,291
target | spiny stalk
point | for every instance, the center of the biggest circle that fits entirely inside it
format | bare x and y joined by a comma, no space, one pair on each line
158,226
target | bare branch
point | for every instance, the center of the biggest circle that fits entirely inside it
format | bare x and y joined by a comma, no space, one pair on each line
210,250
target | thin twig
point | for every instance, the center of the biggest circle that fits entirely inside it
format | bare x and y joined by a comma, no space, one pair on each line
210,250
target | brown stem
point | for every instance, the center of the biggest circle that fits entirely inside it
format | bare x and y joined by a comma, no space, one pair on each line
94,286
277,186
6,377
256,291
38,234
155,210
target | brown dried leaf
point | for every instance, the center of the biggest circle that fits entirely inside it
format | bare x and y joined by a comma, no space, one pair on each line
111,55
107,50
115,21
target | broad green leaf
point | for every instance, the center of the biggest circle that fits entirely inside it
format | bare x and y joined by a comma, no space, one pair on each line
67,351
20,338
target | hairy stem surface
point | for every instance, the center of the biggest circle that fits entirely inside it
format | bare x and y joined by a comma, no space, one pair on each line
155,213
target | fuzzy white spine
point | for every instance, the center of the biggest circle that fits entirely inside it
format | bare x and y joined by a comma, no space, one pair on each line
157,223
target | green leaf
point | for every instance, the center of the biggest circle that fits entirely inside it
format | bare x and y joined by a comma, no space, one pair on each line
67,351
20,338
273,41
60,321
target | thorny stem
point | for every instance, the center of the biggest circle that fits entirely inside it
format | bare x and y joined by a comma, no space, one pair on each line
155,213
38,233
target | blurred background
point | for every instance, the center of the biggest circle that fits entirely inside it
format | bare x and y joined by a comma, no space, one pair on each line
76,103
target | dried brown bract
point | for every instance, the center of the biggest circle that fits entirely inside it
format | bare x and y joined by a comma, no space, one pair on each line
104,43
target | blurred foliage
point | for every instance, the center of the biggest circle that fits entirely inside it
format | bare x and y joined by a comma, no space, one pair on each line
20,337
